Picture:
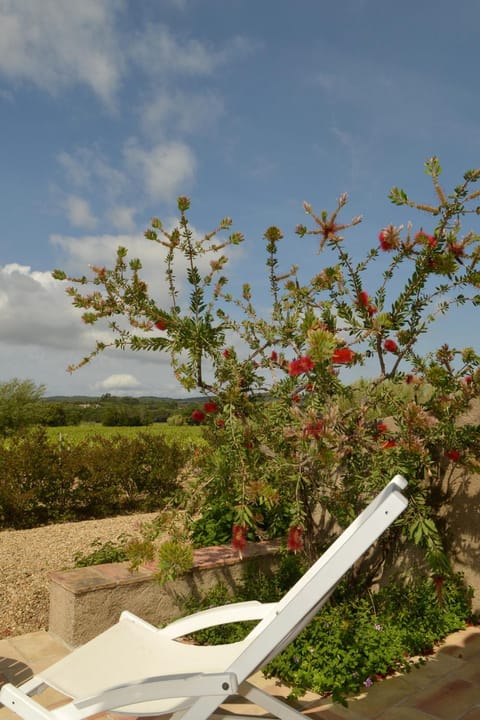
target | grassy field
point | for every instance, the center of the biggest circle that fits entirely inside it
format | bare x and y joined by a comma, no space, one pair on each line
77,433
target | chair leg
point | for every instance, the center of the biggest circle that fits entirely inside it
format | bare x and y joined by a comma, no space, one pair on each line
279,708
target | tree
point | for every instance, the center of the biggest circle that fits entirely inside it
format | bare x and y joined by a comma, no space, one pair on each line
20,404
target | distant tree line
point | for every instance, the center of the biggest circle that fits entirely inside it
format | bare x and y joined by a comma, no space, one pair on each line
23,404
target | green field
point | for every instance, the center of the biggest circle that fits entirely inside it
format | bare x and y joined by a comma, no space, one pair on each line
84,431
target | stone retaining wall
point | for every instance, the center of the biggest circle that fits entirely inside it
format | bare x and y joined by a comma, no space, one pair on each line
87,601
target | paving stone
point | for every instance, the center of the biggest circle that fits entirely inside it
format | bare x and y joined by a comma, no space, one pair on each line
462,644
447,700
403,713
473,714
436,667
380,696
38,649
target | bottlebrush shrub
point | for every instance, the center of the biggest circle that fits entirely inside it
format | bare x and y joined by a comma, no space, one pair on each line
290,429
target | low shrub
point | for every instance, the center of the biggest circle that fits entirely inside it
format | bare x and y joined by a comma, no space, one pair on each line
357,638
43,482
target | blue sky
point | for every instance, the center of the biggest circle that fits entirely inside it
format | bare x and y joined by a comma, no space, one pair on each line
109,109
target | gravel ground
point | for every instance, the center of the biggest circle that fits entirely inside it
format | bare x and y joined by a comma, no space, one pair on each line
27,556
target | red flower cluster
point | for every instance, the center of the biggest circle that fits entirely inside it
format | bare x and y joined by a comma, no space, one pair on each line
314,429
274,356
453,455
198,416
300,365
343,356
422,237
239,537
364,302
295,538
161,324
390,346
381,427
389,238
389,444
210,407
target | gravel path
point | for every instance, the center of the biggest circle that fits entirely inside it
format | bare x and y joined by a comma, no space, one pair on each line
27,556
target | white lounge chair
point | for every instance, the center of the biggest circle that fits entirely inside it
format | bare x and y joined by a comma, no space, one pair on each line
137,669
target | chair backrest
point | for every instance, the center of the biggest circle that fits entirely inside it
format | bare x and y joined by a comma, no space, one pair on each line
293,612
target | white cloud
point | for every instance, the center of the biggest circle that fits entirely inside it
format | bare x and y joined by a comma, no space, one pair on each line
166,168
122,217
79,213
35,311
122,381
184,112
57,43
158,51
84,167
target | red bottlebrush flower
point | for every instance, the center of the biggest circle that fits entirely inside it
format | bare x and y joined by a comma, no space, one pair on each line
220,423
295,538
239,537
198,416
389,444
274,356
468,379
300,365
390,346
314,429
381,427
309,387
210,407
371,309
161,324
363,299
226,354
429,240
456,250
453,455
389,238
342,356
296,398
421,236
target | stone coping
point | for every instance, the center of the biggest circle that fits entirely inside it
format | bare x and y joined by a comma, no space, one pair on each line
85,579
86,601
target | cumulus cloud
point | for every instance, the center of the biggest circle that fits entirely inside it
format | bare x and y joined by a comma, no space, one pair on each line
85,167
122,217
183,112
121,381
79,213
167,168
157,51
56,43
35,311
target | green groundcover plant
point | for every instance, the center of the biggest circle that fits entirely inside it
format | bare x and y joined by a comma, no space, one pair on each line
357,639
294,446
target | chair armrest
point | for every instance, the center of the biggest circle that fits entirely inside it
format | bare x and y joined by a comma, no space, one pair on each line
159,688
145,690
234,612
